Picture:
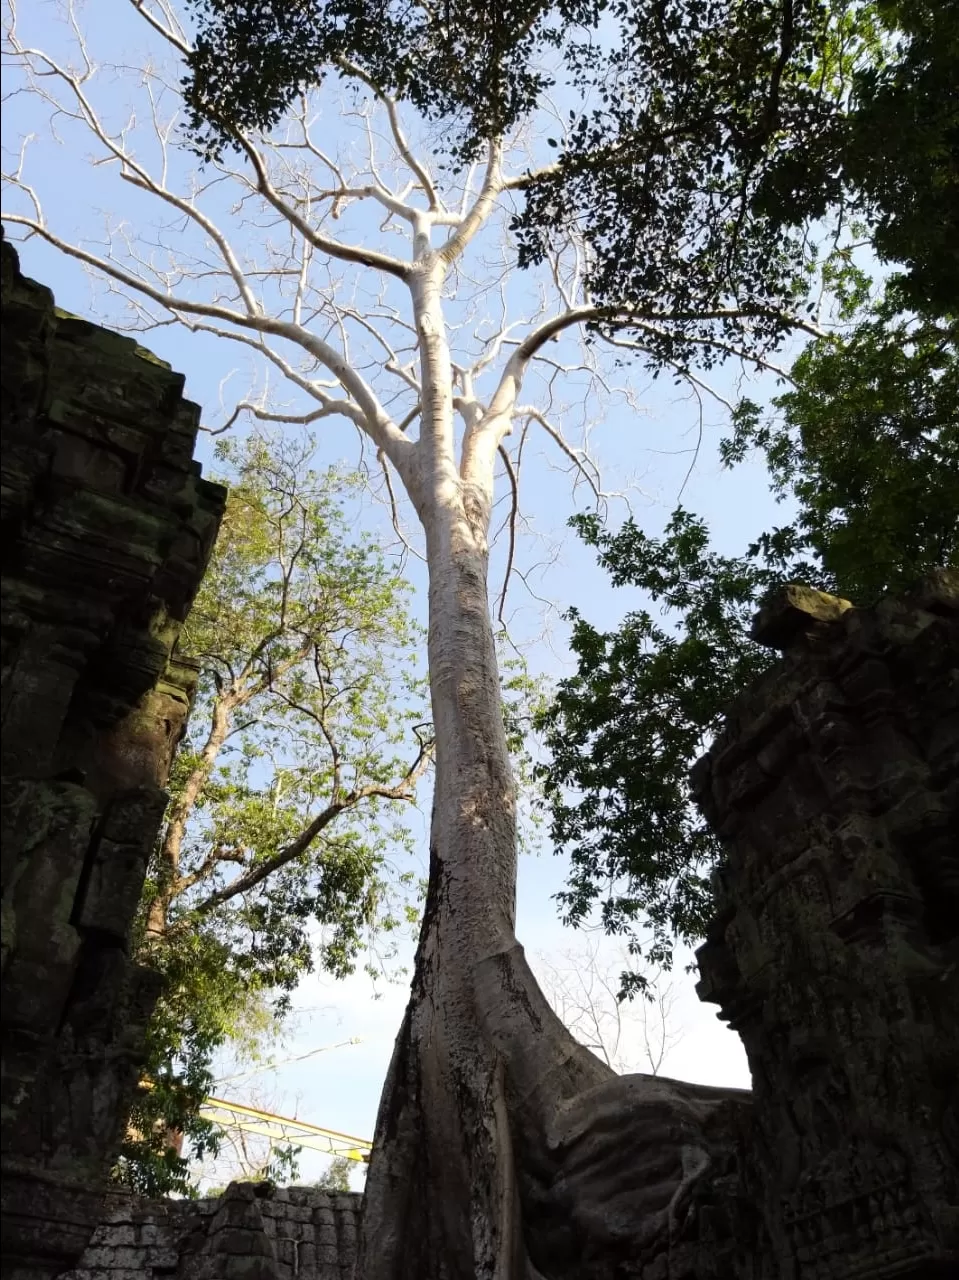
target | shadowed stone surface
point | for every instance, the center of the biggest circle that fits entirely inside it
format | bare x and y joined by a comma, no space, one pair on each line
252,1232
835,950
107,528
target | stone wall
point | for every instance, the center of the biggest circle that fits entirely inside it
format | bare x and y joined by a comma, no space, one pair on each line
835,951
254,1231
107,527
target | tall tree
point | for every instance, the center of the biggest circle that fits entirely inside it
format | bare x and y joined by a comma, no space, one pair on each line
495,1148
285,840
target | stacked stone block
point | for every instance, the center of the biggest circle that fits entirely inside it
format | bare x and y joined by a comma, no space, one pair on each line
834,955
254,1231
106,531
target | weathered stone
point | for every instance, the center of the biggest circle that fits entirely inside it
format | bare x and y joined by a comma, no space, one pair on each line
835,950
115,868
793,611
107,529
226,1238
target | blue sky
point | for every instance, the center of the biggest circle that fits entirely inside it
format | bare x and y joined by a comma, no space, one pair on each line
646,445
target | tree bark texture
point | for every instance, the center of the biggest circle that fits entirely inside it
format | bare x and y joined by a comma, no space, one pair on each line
504,1150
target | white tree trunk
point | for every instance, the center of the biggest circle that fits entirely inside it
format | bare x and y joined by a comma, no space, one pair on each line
444,1122
504,1150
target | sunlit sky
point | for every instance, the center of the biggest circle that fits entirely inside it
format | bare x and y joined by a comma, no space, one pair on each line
645,448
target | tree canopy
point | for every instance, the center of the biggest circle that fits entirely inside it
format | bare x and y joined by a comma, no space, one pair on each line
285,845
682,117
865,445
702,138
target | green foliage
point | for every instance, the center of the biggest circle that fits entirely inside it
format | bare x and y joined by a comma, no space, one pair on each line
903,150
900,148
622,732
213,995
284,841
690,123
337,1176
892,154
866,444
475,68
686,115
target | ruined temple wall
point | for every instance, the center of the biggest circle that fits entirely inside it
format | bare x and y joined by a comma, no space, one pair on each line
251,1232
834,787
106,530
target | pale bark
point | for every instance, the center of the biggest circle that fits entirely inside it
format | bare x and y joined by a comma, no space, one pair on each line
504,1150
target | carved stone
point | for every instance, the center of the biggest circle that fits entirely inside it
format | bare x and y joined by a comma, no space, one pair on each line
107,528
835,950
254,1231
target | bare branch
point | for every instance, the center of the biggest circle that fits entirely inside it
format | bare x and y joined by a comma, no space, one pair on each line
136,174
418,170
481,208
513,511
170,31
578,457
753,359
344,252
521,181
394,510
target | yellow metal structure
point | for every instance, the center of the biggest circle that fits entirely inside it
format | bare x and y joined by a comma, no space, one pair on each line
234,1115
285,1129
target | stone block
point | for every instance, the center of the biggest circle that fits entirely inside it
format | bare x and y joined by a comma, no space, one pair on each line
793,611
93,597
833,948
46,841
117,862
